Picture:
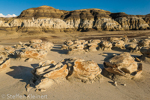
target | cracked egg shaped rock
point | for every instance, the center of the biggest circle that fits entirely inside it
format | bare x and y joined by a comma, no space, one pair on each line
85,70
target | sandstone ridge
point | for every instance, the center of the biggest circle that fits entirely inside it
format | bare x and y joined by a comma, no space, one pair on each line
46,18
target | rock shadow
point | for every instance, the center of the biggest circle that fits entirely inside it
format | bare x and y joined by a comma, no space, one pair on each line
21,72
101,66
109,56
57,48
34,65
120,50
60,51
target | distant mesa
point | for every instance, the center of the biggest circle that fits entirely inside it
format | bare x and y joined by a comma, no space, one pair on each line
48,19
42,11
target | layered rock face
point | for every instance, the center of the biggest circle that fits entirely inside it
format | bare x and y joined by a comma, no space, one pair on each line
147,19
129,22
46,18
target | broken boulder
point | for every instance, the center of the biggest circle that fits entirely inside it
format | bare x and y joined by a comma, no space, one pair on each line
123,64
31,53
48,72
146,54
119,44
4,63
106,45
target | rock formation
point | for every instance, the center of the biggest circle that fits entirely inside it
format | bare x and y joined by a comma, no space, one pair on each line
123,65
4,60
106,45
82,46
134,48
4,63
46,18
34,49
48,72
118,44
144,43
129,22
146,54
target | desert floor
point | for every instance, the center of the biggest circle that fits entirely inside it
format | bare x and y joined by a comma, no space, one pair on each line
14,79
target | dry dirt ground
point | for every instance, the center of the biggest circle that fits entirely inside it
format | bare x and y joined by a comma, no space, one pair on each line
14,79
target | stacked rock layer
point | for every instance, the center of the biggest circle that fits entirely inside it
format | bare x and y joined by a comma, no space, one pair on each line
45,18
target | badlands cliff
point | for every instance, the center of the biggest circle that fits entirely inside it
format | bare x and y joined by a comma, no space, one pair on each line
47,19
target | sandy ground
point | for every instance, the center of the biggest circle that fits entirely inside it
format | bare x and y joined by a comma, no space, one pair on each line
14,79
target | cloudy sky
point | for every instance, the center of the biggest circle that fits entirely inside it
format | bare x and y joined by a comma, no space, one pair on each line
135,7
8,15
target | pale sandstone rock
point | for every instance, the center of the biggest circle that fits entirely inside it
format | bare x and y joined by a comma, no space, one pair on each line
81,46
5,63
146,54
72,47
122,64
32,53
9,49
35,49
144,43
48,72
132,23
57,73
107,24
85,70
35,41
119,44
3,54
64,47
124,60
4,24
106,45
145,51
44,45
77,42
134,48
47,62
113,39
131,46
93,46
95,41
68,43
76,51
82,41
133,40
125,39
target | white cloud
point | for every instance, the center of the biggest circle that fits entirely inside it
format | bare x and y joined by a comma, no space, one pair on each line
13,15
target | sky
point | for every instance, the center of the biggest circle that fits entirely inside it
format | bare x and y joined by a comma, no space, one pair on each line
134,7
